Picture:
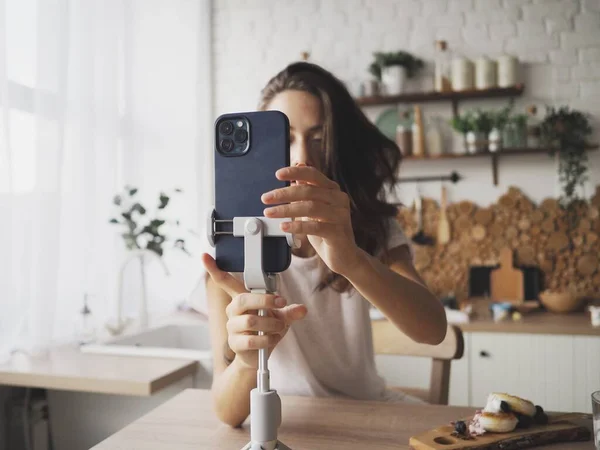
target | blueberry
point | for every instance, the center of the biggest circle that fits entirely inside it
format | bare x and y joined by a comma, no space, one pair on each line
504,406
460,427
540,416
524,421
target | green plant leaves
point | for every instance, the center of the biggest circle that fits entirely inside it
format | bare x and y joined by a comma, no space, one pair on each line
566,131
152,237
163,201
139,208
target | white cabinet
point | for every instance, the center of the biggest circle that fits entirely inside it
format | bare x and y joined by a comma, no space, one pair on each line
558,372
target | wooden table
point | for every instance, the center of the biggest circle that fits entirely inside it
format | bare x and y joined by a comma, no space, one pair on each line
187,422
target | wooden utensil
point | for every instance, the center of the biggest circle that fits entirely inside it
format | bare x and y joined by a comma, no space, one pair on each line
507,283
443,224
556,431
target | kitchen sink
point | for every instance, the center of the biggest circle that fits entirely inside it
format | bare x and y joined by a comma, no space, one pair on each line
179,341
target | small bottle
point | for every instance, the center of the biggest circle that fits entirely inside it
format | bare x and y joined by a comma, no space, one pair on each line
442,67
87,330
404,134
418,135
435,144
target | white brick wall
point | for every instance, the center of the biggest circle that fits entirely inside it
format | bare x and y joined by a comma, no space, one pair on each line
557,42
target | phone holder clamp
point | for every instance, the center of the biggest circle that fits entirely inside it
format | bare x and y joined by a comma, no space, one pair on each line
265,404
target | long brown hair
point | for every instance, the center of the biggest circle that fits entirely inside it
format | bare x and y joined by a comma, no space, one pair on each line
357,155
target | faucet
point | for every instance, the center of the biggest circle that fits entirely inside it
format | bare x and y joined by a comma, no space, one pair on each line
142,255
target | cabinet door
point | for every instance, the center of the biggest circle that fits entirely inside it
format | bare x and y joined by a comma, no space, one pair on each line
533,366
460,377
586,371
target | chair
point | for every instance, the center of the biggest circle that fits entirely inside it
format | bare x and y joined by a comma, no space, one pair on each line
389,340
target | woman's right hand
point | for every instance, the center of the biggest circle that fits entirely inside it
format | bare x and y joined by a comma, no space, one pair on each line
243,321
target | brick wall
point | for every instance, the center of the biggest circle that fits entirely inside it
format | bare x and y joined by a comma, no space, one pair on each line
557,42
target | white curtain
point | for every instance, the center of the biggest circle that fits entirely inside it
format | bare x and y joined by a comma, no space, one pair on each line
74,129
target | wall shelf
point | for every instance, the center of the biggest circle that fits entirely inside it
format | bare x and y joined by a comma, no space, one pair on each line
493,155
453,97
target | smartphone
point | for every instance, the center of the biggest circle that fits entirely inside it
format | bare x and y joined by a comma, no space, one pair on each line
249,148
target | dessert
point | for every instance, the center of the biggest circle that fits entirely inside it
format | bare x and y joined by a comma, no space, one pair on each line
514,404
503,413
498,422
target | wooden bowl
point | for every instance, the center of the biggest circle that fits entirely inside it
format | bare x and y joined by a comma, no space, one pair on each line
561,302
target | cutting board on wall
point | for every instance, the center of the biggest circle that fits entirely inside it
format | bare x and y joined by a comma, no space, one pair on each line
507,283
560,431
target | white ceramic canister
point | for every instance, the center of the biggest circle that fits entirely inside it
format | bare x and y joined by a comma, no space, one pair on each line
462,74
507,71
485,73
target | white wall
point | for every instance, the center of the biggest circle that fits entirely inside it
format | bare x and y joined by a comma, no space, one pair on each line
558,42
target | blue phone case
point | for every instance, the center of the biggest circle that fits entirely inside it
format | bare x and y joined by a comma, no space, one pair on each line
241,180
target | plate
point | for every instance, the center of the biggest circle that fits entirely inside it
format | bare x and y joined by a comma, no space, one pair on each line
388,121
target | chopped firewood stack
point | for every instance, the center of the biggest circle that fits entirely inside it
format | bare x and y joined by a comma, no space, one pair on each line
540,235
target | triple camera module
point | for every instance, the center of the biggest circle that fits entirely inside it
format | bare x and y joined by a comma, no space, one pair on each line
233,136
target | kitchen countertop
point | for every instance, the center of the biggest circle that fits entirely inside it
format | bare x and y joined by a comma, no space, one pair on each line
534,322
65,367
187,422
537,323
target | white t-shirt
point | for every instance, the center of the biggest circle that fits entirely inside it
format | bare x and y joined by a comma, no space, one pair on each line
330,351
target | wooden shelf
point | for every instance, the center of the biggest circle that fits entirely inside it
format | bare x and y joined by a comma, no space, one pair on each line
493,155
454,97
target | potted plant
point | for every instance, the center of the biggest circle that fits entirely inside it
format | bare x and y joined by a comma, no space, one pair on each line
477,138
462,124
393,68
565,132
144,237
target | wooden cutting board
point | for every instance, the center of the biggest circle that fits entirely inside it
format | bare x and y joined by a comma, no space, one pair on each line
559,431
507,283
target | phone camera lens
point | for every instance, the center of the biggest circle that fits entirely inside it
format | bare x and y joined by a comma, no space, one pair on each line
226,127
226,145
240,135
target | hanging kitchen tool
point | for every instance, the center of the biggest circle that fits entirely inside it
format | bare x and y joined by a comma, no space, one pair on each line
443,234
420,237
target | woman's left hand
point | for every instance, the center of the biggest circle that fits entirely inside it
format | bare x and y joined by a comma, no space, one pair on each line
324,211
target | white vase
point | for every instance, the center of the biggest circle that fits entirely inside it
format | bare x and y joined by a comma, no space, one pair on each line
494,140
393,79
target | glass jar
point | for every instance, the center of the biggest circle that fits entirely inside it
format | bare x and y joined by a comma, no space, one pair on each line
442,67
434,138
404,134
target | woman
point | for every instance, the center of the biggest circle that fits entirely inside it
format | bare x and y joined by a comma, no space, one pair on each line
352,254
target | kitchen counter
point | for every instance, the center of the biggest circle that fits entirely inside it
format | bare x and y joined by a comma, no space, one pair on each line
534,322
537,323
66,368
187,422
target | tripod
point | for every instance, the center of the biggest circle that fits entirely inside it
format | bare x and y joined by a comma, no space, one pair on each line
265,404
